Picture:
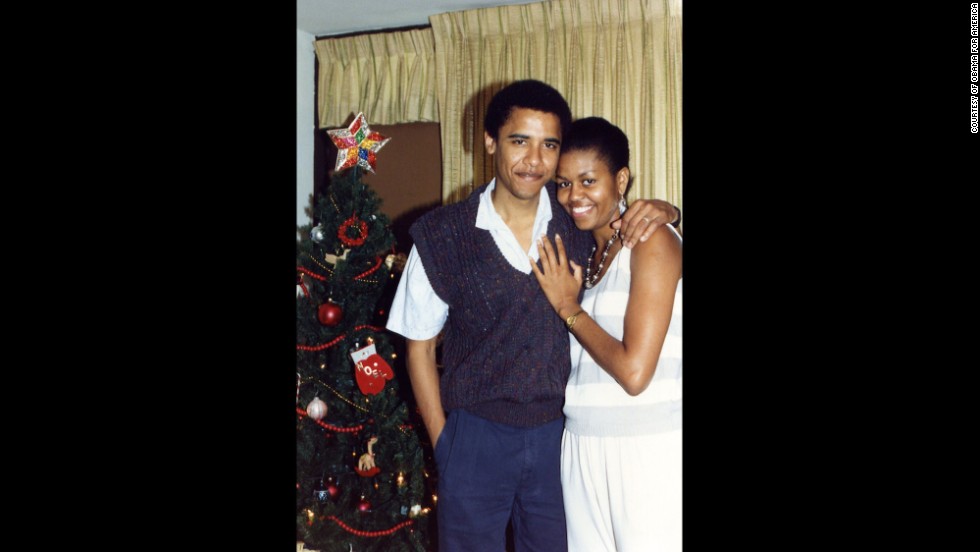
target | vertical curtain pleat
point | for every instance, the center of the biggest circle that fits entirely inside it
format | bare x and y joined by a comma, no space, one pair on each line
388,76
618,59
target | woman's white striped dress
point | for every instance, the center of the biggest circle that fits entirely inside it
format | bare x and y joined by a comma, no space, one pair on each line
621,455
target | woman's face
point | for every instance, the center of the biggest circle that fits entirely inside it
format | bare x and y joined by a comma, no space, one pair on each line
588,189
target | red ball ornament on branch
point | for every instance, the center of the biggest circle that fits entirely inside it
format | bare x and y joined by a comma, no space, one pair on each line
364,505
330,313
332,489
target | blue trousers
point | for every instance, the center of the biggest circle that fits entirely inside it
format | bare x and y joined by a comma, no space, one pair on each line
491,474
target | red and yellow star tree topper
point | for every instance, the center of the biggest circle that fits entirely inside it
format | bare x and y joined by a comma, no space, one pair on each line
357,144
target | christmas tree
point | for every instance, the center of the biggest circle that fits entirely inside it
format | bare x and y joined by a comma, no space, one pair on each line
361,473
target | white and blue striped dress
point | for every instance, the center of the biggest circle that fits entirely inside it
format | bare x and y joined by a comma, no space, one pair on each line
621,455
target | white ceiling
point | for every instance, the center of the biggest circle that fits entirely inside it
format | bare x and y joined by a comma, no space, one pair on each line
333,17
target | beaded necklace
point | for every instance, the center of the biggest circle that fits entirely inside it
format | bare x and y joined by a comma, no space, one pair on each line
590,278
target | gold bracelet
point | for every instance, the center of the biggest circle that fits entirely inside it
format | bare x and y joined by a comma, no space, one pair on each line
570,321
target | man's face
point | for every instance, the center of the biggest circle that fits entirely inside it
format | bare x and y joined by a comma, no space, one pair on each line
526,155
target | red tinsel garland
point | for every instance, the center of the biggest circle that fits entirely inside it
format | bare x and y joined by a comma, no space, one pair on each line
325,425
312,274
305,291
359,533
303,286
376,266
334,341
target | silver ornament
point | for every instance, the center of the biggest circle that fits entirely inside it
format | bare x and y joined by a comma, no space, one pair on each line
317,234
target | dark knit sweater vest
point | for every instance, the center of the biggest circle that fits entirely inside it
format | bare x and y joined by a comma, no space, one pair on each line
505,350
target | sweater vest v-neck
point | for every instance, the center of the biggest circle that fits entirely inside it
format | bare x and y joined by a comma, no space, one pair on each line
505,352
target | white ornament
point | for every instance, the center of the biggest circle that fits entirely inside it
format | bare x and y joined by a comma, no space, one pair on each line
317,409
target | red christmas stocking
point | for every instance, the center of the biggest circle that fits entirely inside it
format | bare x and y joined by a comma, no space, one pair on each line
370,370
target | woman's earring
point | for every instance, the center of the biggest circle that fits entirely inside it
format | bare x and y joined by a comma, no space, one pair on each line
622,205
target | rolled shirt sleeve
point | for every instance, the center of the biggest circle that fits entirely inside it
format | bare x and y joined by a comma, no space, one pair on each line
416,311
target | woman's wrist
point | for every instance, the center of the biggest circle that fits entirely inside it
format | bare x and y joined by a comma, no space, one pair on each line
567,310
570,320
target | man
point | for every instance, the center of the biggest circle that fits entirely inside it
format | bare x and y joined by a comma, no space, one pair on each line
495,415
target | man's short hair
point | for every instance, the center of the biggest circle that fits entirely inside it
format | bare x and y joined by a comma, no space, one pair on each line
528,94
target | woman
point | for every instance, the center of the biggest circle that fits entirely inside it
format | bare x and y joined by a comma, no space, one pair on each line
621,446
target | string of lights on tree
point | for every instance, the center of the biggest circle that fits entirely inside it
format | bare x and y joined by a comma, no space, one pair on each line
361,475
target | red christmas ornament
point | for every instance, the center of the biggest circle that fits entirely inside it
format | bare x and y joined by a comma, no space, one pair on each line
370,370
330,313
332,489
361,227
364,505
